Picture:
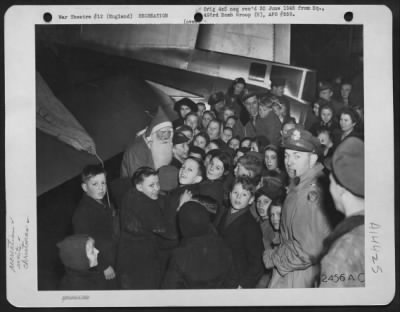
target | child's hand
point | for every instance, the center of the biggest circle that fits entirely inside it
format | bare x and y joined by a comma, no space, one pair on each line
185,197
109,273
267,259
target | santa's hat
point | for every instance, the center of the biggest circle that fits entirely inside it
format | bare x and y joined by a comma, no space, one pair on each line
159,121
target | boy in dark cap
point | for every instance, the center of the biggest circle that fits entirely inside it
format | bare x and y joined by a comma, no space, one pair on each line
277,90
180,149
344,247
79,256
217,104
304,224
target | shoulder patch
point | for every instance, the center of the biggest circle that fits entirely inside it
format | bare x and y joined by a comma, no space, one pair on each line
313,196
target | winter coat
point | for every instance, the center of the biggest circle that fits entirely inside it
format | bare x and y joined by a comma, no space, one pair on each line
136,155
139,261
243,235
344,263
304,226
202,260
96,220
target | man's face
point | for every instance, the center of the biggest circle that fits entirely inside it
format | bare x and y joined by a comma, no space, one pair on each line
278,90
181,151
297,163
184,110
326,94
345,91
164,135
251,105
326,115
240,198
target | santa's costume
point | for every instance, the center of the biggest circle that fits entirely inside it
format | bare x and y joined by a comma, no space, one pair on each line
152,146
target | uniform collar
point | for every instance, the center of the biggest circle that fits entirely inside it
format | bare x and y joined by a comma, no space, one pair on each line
307,177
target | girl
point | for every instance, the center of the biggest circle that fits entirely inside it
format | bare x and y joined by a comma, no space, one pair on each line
272,162
206,118
214,129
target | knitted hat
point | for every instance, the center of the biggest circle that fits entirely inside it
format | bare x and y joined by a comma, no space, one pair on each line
159,121
187,102
194,219
168,176
72,251
272,188
347,165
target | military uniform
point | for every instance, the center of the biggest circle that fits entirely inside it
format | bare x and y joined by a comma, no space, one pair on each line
304,224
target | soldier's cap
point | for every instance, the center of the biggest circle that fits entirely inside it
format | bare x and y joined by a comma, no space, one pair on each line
324,85
216,98
276,82
347,165
187,102
179,138
298,139
248,95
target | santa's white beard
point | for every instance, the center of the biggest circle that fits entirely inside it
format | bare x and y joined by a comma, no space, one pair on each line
161,152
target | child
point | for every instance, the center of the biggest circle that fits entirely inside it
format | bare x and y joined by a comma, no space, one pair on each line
214,129
234,143
142,221
201,140
201,108
269,124
241,232
192,120
79,256
241,151
197,152
230,122
202,260
96,219
227,134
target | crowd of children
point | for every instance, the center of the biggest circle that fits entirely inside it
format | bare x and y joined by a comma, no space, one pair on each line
242,203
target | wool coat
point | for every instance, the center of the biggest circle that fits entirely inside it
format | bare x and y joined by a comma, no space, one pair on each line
243,235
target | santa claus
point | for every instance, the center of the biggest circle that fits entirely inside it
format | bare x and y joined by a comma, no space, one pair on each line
152,146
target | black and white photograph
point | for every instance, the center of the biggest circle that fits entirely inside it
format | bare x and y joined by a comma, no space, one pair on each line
198,155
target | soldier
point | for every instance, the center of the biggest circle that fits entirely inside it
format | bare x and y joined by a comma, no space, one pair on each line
343,263
303,222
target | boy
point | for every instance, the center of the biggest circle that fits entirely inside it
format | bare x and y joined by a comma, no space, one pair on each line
249,165
325,90
79,256
96,219
240,231
269,124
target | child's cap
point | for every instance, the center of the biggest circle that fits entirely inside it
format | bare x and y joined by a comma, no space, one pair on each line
72,251
194,219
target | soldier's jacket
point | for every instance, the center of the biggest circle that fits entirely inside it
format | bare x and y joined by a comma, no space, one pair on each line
304,226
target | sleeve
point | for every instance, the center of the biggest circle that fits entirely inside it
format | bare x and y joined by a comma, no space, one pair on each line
129,223
173,278
129,163
254,250
309,228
